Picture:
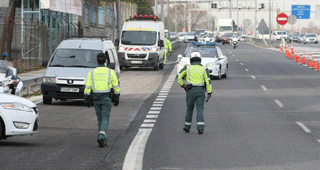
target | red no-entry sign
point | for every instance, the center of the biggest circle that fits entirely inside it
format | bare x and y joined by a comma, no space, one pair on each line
282,19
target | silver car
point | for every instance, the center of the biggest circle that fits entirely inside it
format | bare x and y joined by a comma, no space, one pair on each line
310,38
300,37
189,37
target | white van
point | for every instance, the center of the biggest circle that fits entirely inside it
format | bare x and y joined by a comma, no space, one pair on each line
67,70
142,43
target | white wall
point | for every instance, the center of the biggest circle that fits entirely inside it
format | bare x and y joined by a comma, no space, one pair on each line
4,3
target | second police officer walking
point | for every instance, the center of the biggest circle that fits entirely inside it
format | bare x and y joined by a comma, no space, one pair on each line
197,83
99,85
167,48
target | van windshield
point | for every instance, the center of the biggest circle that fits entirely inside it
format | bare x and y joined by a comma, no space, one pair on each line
225,28
139,37
75,58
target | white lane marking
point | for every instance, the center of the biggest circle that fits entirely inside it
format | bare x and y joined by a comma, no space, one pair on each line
158,102
165,88
318,140
303,127
155,108
160,99
135,153
144,125
241,63
157,105
237,59
230,52
164,91
253,77
149,121
278,103
233,55
152,116
246,69
163,94
264,88
154,112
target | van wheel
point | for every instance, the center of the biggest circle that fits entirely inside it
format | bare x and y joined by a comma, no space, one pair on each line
161,65
156,67
46,100
121,67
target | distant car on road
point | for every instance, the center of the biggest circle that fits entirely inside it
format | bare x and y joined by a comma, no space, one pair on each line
310,38
173,35
189,37
181,36
292,37
226,38
276,35
18,116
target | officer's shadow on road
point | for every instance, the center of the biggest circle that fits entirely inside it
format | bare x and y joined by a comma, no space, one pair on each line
4,144
77,102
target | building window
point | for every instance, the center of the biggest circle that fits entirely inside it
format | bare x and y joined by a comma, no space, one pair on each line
85,15
109,16
100,16
92,16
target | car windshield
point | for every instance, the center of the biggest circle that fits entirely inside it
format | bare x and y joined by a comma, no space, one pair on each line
75,58
279,33
190,33
301,35
310,35
6,63
225,28
139,37
199,31
228,34
172,33
181,35
210,52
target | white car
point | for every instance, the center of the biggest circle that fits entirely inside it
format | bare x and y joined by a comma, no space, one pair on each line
276,35
211,57
310,38
189,37
181,36
206,38
18,116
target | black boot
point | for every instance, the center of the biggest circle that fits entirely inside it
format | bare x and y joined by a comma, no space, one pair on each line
186,130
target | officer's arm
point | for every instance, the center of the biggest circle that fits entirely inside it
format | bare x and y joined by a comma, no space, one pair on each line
182,73
115,83
88,88
208,82
170,47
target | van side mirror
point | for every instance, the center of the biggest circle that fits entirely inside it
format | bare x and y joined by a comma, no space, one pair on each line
116,42
44,63
112,65
161,44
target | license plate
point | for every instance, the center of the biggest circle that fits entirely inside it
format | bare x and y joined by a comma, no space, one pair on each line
136,62
66,89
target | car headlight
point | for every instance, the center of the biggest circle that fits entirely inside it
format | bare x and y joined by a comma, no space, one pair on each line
212,64
16,106
49,79
153,49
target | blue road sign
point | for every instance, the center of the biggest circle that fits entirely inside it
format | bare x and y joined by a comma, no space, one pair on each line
301,11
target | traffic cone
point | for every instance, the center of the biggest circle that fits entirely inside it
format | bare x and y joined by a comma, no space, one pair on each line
319,67
291,48
310,63
304,60
280,47
315,64
298,58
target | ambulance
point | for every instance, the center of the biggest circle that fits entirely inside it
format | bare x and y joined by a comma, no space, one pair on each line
141,43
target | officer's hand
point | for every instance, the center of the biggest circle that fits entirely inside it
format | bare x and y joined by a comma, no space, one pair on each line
184,87
209,95
87,104
116,103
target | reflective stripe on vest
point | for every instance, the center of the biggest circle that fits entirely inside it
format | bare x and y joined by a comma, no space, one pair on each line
202,79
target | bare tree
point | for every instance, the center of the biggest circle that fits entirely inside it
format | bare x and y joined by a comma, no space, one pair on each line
7,33
198,19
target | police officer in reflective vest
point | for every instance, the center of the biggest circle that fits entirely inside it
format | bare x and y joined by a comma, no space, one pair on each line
99,83
197,83
167,48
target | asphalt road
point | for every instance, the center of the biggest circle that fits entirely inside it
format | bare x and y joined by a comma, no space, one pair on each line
263,116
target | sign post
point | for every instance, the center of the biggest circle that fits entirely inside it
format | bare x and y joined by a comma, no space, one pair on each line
282,19
292,19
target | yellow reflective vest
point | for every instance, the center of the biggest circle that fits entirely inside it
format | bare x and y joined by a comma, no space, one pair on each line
101,80
197,75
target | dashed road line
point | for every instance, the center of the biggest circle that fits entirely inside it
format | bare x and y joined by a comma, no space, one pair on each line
155,108
264,88
157,105
318,140
278,103
246,69
153,112
253,77
149,121
303,127
237,59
